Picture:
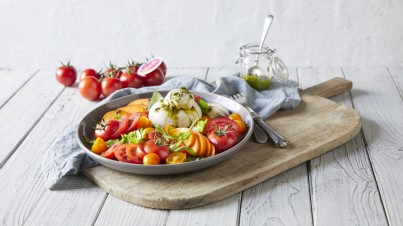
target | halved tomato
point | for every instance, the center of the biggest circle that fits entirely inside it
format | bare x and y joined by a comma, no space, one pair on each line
134,121
122,150
105,130
123,125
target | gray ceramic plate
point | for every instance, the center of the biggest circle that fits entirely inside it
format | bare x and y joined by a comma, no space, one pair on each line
85,129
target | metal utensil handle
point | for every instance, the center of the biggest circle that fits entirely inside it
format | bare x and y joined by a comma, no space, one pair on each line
278,140
266,26
260,136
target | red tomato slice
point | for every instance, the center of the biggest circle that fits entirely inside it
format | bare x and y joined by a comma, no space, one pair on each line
140,150
161,150
106,130
123,125
110,154
134,121
121,153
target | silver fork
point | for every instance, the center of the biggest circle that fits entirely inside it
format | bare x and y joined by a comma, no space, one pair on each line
260,124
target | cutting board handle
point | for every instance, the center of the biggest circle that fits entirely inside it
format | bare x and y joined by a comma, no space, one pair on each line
329,88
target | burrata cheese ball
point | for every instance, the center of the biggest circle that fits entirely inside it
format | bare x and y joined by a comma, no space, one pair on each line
178,109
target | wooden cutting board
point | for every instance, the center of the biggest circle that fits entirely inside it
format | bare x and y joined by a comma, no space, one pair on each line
316,126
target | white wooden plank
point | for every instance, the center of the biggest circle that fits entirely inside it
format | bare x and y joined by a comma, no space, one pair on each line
224,212
125,213
281,200
343,187
25,199
22,111
12,81
380,104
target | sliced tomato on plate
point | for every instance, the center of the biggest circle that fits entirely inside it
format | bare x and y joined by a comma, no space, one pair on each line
123,125
105,130
122,150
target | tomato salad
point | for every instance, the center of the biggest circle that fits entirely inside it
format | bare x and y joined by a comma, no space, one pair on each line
178,128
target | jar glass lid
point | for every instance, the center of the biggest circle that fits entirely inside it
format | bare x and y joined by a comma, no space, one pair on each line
279,69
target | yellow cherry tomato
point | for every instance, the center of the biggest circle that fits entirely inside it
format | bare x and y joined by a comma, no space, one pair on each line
145,133
176,157
99,146
151,159
235,116
144,122
241,125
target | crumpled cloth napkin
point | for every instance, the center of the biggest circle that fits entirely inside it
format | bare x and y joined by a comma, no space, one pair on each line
65,157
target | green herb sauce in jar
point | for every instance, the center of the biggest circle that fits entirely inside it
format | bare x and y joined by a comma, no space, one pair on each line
257,82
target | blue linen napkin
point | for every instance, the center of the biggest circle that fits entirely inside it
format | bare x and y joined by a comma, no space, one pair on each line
65,157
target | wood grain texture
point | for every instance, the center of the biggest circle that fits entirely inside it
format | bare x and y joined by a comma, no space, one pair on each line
25,199
378,100
23,111
12,81
281,200
345,170
326,125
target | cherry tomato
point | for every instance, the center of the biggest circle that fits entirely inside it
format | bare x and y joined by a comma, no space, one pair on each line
235,116
213,123
105,130
163,68
110,153
241,125
148,133
151,159
144,122
89,73
99,146
66,74
196,98
90,88
131,150
134,121
131,80
110,85
153,78
140,150
121,153
175,158
161,150
223,136
113,71
123,125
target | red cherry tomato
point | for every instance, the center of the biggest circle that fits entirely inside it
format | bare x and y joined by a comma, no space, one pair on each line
66,75
153,78
90,88
140,150
110,85
89,73
121,151
134,121
113,71
123,125
106,130
130,80
161,150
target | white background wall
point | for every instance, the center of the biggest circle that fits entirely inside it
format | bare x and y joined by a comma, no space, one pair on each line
90,33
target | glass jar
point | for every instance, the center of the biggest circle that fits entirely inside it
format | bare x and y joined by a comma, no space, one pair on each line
259,66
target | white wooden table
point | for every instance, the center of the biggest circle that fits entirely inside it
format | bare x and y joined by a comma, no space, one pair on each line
359,183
